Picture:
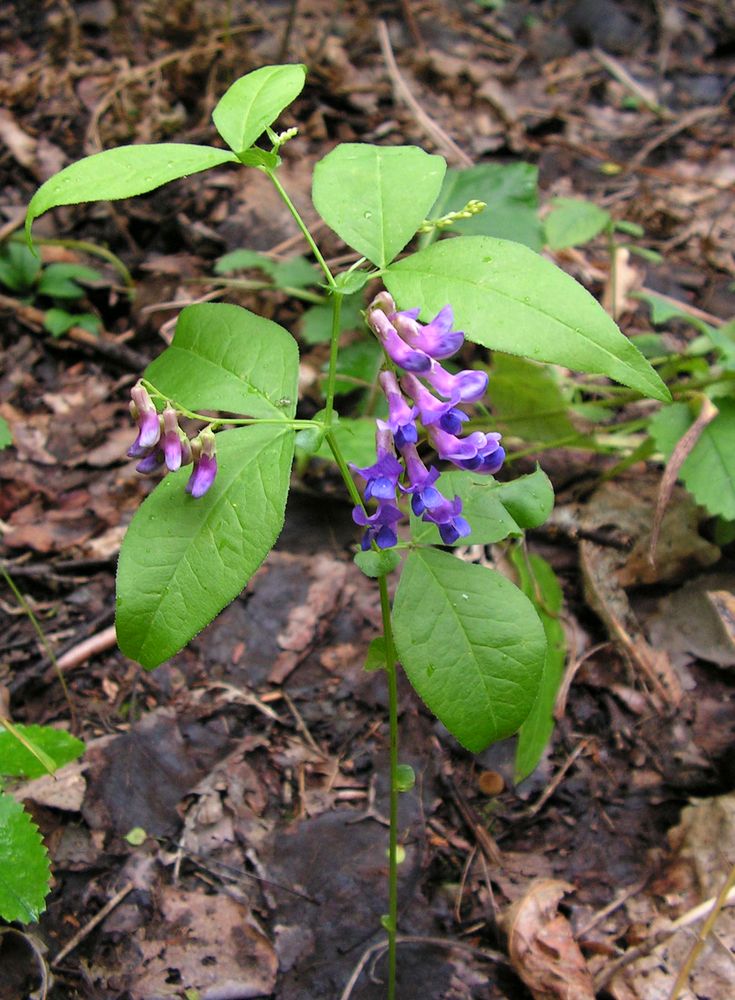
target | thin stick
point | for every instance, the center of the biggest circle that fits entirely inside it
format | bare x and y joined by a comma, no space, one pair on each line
90,926
704,933
401,89
555,781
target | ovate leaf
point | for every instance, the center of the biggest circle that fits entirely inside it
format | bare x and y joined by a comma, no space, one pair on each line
255,101
183,559
55,747
494,510
510,193
471,644
24,865
527,401
539,583
224,357
573,221
708,471
508,298
375,197
122,173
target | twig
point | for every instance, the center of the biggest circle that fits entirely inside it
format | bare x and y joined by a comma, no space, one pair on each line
487,845
607,974
375,950
604,913
704,933
538,805
88,648
90,925
560,705
621,74
686,121
401,89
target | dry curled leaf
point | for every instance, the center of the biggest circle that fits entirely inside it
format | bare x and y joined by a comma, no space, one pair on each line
542,947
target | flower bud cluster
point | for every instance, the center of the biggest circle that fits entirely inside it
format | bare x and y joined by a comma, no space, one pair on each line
426,392
161,441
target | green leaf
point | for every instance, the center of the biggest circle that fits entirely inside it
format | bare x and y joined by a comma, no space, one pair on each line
254,102
59,321
356,440
527,402
471,644
405,778
708,471
6,435
18,761
375,659
510,192
539,583
294,273
183,560
375,564
573,221
24,865
122,173
494,510
375,197
316,322
224,357
360,362
18,267
508,298
60,280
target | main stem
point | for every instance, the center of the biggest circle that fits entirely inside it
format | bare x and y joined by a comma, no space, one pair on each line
390,668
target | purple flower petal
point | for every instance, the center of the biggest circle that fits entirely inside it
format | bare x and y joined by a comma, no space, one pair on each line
467,386
202,476
395,347
437,339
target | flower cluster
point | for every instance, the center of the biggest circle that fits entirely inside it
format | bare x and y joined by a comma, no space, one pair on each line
426,392
161,441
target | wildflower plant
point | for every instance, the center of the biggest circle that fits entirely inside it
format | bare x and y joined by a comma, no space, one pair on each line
469,640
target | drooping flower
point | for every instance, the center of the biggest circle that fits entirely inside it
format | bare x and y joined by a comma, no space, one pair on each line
380,525
466,386
381,477
152,461
420,481
205,464
430,409
173,439
149,424
448,519
490,456
395,346
401,416
437,339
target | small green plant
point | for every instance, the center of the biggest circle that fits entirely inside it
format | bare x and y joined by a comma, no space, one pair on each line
22,273
475,647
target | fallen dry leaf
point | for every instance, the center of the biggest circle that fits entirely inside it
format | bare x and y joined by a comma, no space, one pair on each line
542,947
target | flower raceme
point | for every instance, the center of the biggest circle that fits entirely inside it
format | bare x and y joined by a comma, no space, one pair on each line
161,441
399,470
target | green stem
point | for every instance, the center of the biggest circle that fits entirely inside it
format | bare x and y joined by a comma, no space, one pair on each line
333,353
94,251
251,285
391,670
612,250
343,468
302,226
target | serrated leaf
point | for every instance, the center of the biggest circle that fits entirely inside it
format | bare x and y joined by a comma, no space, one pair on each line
183,560
508,298
24,864
573,221
18,761
494,510
224,357
709,470
539,583
254,102
123,173
375,197
471,644
510,192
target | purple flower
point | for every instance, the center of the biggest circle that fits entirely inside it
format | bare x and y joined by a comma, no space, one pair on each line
381,477
467,386
490,456
456,449
205,464
400,414
149,424
437,339
395,347
152,461
420,482
380,525
172,439
433,410
447,517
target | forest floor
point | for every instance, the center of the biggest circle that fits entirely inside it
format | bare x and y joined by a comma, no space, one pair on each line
255,760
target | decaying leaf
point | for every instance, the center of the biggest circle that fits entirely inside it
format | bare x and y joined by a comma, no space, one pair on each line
542,947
